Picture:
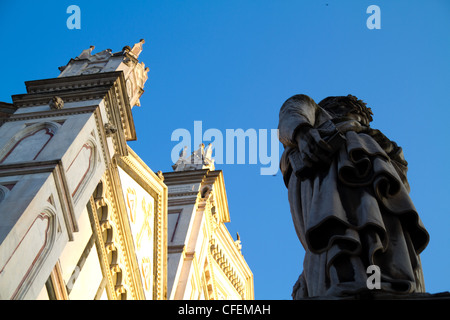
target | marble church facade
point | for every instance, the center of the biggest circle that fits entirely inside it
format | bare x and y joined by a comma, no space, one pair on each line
83,217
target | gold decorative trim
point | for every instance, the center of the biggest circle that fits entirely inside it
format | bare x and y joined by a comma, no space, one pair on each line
101,244
227,268
151,182
125,251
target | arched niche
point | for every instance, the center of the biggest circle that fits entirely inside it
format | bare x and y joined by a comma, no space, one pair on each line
38,241
28,143
81,168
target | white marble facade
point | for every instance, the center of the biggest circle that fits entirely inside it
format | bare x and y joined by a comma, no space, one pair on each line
204,261
83,217
55,148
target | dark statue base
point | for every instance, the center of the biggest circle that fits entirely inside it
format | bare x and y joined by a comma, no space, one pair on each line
380,295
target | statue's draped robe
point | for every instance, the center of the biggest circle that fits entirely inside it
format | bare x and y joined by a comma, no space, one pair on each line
354,213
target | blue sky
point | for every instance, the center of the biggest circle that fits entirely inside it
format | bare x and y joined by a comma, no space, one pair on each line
231,64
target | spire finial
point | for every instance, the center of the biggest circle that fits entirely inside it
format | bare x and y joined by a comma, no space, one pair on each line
137,48
199,159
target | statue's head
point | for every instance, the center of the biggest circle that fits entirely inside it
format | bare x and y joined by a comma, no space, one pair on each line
344,106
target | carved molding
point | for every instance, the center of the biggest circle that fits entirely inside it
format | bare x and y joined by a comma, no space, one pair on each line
25,266
156,188
227,267
104,230
123,249
49,114
69,89
50,127
82,180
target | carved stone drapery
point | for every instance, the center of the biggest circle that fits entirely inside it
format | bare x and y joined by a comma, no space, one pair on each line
349,199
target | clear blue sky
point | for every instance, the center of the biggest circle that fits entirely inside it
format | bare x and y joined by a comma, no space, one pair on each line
231,64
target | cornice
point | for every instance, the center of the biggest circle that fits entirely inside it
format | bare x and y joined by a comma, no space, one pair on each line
49,113
22,168
176,249
6,110
69,83
107,86
74,88
184,177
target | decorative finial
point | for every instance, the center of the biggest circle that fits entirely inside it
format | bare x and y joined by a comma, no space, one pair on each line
208,152
238,241
198,160
86,53
137,48
160,175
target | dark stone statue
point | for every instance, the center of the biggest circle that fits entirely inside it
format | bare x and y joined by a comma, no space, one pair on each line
349,200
